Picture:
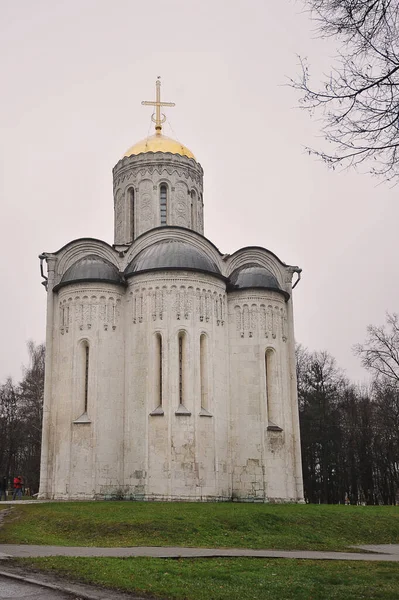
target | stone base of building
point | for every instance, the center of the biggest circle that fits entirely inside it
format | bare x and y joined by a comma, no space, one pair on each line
169,498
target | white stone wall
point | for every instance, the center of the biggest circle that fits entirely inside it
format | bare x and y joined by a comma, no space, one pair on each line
182,453
262,458
88,454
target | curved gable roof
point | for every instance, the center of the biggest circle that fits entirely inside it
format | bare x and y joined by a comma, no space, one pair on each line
171,255
91,268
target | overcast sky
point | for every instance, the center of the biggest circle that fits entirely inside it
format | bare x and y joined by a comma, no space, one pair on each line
73,75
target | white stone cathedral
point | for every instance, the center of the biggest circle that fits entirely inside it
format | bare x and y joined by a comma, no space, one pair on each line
170,367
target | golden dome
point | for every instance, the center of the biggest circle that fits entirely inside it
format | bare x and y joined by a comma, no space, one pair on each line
159,143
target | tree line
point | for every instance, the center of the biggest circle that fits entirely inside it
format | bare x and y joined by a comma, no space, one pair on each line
349,433
21,412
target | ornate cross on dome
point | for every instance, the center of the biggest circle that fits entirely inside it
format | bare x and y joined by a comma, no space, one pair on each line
159,118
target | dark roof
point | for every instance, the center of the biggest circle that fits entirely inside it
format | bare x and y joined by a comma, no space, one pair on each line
172,255
254,276
91,268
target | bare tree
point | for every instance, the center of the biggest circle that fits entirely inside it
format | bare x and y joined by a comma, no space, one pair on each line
31,392
380,352
10,430
21,408
359,100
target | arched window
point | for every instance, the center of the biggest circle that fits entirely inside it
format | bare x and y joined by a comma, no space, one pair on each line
204,375
182,360
273,409
163,202
131,212
86,376
158,370
83,381
157,376
182,347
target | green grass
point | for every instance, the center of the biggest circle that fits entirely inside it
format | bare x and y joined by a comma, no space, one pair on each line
231,525
232,578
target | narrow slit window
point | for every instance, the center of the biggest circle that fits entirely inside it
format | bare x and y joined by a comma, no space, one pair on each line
86,378
204,372
182,375
82,382
158,372
181,384
163,198
132,215
273,414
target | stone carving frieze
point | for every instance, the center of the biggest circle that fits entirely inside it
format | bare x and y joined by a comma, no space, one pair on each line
90,311
180,300
266,320
135,174
148,164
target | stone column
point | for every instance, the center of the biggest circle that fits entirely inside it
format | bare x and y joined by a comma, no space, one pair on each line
44,492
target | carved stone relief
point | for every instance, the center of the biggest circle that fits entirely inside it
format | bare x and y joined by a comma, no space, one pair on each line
284,323
202,305
137,305
183,301
90,312
181,205
270,321
239,323
253,320
157,304
65,317
245,317
145,216
119,217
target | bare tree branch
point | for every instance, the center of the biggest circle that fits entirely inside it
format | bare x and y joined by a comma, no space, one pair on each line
380,352
359,100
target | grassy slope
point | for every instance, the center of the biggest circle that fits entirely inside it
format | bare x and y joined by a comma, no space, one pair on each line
232,579
306,527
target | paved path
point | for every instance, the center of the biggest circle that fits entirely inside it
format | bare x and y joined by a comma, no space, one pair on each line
16,583
380,548
385,553
12,588
5,502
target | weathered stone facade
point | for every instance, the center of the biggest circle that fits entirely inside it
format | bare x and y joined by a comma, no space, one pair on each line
170,367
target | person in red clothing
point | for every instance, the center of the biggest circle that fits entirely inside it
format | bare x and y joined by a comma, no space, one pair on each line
17,487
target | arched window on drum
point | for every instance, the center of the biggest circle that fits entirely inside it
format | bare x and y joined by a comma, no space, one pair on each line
131,212
163,203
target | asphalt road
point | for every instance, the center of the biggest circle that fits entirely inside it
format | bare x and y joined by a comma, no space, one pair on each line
11,589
